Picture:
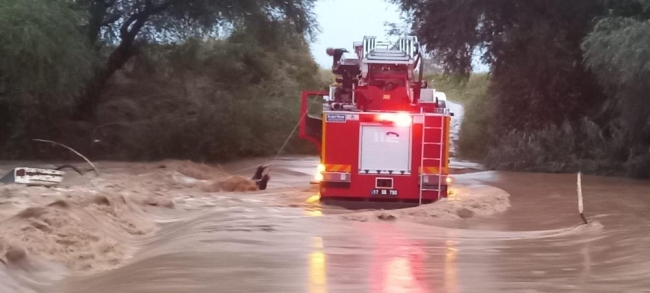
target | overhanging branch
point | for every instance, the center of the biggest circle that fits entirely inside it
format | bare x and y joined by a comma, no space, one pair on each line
140,18
111,19
162,7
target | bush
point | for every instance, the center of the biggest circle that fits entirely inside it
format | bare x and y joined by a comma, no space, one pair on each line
475,130
462,92
200,100
45,62
472,94
638,167
44,53
215,100
568,148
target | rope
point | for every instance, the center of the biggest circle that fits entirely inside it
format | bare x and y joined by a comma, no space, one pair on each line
288,138
283,145
291,134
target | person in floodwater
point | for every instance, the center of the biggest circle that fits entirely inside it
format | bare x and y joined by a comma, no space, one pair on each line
262,177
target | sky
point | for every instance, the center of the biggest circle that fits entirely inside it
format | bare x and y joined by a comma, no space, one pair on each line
343,22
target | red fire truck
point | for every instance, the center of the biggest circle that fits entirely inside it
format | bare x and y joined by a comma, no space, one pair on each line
383,135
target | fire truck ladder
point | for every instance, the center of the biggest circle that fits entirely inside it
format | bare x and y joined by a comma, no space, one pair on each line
439,158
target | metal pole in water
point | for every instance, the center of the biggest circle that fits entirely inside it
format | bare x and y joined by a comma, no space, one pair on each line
580,203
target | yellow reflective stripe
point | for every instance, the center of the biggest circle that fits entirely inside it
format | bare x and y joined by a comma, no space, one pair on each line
338,168
447,145
323,141
433,170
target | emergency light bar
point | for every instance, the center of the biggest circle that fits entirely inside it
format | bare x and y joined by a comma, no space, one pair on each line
399,119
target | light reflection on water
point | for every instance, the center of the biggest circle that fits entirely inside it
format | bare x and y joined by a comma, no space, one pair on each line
317,267
451,270
315,213
397,263
452,194
314,209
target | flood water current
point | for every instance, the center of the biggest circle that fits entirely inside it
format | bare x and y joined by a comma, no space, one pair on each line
537,245
282,240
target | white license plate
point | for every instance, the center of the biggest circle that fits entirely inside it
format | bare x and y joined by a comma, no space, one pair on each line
384,192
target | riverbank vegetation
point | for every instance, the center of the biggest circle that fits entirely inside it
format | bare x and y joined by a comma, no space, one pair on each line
567,84
213,80
144,80
472,94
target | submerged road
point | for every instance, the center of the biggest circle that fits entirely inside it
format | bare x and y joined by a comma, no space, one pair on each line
535,246
262,244
284,240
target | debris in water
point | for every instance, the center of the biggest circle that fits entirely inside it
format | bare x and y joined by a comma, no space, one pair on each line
15,255
386,217
464,213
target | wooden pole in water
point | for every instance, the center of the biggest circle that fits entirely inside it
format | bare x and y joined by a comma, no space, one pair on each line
580,203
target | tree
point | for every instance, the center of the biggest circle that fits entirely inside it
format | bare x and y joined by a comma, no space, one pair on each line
432,63
556,68
209,99
617,51
121,24
43,51
45,61
532,47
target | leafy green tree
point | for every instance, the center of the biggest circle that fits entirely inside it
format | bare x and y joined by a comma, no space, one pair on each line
43,50
432,63
121,24
210,99
617,51
565,77
532,47
45,61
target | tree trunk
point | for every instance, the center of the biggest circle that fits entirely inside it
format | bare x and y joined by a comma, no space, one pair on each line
130,28
97,14
93,93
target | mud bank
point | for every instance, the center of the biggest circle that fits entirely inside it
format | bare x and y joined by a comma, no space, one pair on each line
463,202
91,224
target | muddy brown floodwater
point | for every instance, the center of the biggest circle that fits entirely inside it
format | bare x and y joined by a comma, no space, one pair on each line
159,227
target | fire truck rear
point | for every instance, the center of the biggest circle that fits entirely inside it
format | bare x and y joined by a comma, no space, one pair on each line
383,135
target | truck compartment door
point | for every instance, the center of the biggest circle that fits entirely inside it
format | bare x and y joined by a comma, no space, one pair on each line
385,149
311,123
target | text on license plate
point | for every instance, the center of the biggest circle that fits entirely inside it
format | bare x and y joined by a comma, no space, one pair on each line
390,192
